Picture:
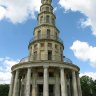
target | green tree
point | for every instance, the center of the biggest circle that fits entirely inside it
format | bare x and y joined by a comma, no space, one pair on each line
4,89
93,86
88,86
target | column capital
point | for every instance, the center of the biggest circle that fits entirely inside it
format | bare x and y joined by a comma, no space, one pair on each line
29,67
45,66
62,68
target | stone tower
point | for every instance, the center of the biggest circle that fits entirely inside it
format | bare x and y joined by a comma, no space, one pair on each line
45,72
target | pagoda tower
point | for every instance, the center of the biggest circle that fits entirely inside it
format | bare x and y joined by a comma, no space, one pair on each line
46,71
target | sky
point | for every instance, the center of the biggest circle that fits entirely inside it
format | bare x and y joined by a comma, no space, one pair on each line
75,19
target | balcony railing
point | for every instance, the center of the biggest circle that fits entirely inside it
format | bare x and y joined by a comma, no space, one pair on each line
67,59
35,58
44,36
25,59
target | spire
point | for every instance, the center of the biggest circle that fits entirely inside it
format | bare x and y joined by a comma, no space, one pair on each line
46,15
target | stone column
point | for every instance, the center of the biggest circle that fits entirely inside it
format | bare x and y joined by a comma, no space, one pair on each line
75,93
34,85
45,85
69,87
21,91
22,86
27,90
63,85
11,85
15,90
79,85
19,86
57,84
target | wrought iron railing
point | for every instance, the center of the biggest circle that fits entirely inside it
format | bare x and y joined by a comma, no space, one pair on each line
25,59
45,36
67,59
35,58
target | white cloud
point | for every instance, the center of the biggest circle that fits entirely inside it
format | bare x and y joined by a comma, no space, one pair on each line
5,69
5,77
85,52
86,7
2,13
90,74
18,12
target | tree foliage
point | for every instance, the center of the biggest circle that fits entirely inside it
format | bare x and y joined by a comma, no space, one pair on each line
4,89
88,86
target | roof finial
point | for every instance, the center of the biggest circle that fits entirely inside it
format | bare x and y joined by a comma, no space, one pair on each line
46,1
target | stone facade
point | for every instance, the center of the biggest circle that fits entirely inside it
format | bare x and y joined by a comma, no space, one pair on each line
45,72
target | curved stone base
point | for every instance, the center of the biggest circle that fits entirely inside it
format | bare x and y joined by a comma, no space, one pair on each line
45,78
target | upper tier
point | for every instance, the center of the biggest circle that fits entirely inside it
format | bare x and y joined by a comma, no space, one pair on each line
46,44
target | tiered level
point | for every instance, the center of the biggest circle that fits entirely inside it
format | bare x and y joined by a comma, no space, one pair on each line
46,44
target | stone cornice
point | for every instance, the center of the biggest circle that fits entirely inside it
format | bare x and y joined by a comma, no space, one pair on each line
46,4
45,12
45,63
40,40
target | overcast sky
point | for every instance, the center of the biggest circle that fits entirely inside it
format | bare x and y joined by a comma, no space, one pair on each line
76,21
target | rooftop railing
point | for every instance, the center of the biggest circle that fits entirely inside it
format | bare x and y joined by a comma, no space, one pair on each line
44,36
25,59
67,59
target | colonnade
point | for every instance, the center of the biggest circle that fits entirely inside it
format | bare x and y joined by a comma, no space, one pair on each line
15,85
